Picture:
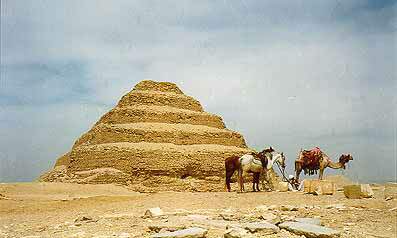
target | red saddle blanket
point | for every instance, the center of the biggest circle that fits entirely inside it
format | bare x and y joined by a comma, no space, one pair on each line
311,158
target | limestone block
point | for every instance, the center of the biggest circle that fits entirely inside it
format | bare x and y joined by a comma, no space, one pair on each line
358,191
319,187
391,190
153,212
282,186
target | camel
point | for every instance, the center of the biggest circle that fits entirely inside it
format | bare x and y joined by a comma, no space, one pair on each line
253,163
312,160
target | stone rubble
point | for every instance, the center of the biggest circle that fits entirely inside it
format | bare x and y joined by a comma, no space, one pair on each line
237,232
194,232
310,230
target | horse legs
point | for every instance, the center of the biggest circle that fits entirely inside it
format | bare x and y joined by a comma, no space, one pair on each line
240,179
264,177
255,181
229,174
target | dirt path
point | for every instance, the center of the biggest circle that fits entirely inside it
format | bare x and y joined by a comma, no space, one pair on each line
50,210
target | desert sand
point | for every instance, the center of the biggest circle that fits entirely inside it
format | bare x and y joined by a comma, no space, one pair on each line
85,210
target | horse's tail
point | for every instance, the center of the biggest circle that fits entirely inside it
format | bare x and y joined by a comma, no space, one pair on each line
231,165
227,181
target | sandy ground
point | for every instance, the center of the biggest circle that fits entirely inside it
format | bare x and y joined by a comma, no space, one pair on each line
51,210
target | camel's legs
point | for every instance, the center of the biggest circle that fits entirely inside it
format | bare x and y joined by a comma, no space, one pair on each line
321,173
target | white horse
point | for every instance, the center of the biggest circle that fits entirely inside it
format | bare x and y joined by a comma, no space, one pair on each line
257,163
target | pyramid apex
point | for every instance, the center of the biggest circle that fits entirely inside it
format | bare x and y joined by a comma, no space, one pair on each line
151,85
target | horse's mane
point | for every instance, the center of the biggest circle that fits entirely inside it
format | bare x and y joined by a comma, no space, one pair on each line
269,150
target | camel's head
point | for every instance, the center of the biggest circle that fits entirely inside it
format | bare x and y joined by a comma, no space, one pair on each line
344,159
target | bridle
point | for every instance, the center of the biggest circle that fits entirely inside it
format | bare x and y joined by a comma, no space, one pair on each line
282,171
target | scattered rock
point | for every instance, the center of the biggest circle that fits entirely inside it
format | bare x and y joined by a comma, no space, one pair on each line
194,232
358,191
153,212
271,218
288,208
389,198
285,218
264,228
165,227
390,190
124,235
393,209
228,216
84,219
237,232
3,197
335,206
310,230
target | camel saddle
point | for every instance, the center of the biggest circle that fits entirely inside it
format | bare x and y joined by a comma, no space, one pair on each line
311,160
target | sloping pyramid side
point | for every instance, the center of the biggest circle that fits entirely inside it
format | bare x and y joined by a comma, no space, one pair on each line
155,136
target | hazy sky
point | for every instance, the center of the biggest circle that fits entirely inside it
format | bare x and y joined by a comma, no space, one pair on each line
290,74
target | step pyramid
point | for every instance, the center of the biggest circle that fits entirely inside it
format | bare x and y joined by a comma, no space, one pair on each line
156,138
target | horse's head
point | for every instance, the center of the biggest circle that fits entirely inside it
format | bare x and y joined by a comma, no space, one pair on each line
279,158
344,159
268,150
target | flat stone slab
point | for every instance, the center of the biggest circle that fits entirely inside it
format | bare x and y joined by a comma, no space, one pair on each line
237,232
310,230
194,232
264,228
313,221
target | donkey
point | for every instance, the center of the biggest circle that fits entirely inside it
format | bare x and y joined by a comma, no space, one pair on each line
253,163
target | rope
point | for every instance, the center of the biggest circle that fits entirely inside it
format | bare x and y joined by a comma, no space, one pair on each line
283,173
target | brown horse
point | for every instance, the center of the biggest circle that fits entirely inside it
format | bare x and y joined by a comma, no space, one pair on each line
253,163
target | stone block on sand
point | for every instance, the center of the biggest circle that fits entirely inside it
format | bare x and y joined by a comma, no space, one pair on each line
358,191
391,190
153,212
282,186
319,187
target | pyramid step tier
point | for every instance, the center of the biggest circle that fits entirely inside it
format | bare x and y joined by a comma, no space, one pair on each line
149,85
180,134
164,114
158,98
154,159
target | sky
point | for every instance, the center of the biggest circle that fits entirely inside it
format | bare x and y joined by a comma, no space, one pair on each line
290,74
